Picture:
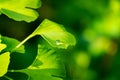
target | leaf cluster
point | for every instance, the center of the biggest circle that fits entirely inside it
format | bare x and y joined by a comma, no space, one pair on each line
27,60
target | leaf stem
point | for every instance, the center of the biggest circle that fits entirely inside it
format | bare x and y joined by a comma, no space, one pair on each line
8,78
23,41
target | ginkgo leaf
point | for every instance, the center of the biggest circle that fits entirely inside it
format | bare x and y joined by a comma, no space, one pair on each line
15,76
2,46
33,3
22,61
4,62
21,10
55,34
47,65
11,43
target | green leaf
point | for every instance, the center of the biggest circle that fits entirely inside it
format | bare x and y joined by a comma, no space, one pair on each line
4,62
19,56
47,66
33,3
22,61
0,13
2,46
15,76
55,34
21,10
11,44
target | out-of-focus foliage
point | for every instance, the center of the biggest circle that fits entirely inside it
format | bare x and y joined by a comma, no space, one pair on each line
22,10
4,59
8,41
4,63
96,25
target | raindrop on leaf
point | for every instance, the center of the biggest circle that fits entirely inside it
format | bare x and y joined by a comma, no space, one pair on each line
58,42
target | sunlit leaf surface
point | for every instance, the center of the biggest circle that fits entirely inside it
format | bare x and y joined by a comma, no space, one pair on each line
11,44
2,46
19,11
4,62
55,34
47,66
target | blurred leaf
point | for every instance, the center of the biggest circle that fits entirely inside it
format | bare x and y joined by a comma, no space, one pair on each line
4,62
15,76
21,57
99,46
109,24
11,44
2,46
82,59
47,66
21,10
33,3
22,61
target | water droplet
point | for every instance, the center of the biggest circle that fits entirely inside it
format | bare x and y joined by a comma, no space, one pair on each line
58,42
11,70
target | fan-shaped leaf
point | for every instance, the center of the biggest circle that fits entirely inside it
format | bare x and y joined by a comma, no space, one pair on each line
47,65
21,10
4,62
55,34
